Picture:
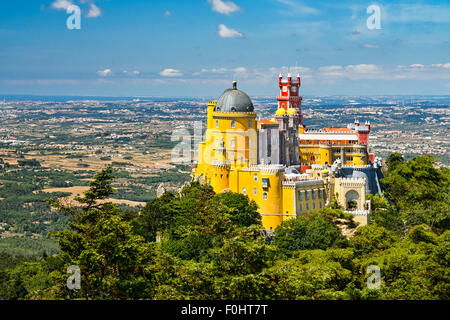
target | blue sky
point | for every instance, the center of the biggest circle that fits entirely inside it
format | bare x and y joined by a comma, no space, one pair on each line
193,48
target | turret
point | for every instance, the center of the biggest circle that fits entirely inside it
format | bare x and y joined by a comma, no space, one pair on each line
289,93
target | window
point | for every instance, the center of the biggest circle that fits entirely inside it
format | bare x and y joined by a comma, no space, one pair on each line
233,143
308,194
217,123
314,205
315,194
217,142
264,195
320,204
307,207
302,195
233,124
244,191
250,123
265,182
321,194
255,191
301,208
255,177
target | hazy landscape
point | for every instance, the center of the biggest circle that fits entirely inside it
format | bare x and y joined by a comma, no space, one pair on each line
51,149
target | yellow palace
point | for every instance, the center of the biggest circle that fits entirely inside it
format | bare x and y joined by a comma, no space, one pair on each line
278,163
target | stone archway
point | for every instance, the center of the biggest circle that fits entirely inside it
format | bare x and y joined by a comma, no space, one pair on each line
352,200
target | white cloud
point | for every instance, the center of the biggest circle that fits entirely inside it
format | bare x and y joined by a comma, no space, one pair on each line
131,73
238,70
332,73
370,46
94,11
167,13
224,7
330,68
61,4
225,32
104,73
442,65
171,73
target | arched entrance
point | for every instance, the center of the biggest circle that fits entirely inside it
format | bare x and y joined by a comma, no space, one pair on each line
352,200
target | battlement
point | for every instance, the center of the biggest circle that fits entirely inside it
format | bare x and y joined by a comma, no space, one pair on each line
353,181
218,114
356,167
328,132
303,183
221,164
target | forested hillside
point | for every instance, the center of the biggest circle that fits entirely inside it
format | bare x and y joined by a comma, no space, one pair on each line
200,245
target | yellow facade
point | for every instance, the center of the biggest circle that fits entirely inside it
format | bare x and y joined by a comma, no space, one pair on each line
327,154
228,162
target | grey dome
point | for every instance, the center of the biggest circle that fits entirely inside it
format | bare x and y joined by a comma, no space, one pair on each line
234,100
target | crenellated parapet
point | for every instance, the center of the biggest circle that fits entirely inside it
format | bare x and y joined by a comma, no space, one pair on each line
356,167
233,115
304,183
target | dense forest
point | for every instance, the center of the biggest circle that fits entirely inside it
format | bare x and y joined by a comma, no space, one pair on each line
196,244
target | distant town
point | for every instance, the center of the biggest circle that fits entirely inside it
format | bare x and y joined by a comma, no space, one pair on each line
142,127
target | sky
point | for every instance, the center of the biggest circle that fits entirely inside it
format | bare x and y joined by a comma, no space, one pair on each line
195,48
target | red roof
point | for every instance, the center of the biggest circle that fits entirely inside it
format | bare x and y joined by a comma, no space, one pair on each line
266,121
338,130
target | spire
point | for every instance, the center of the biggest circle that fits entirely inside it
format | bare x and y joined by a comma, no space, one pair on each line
234,85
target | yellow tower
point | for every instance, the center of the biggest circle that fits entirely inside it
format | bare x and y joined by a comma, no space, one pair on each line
231,140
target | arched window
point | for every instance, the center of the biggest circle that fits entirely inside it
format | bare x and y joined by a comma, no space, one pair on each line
233,124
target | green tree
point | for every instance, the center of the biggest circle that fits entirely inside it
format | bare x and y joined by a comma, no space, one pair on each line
313,231
245,212
101,243
418,193
371,238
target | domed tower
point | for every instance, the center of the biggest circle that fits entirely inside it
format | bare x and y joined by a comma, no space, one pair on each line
231,139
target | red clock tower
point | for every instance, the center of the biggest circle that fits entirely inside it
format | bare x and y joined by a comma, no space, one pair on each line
289,94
